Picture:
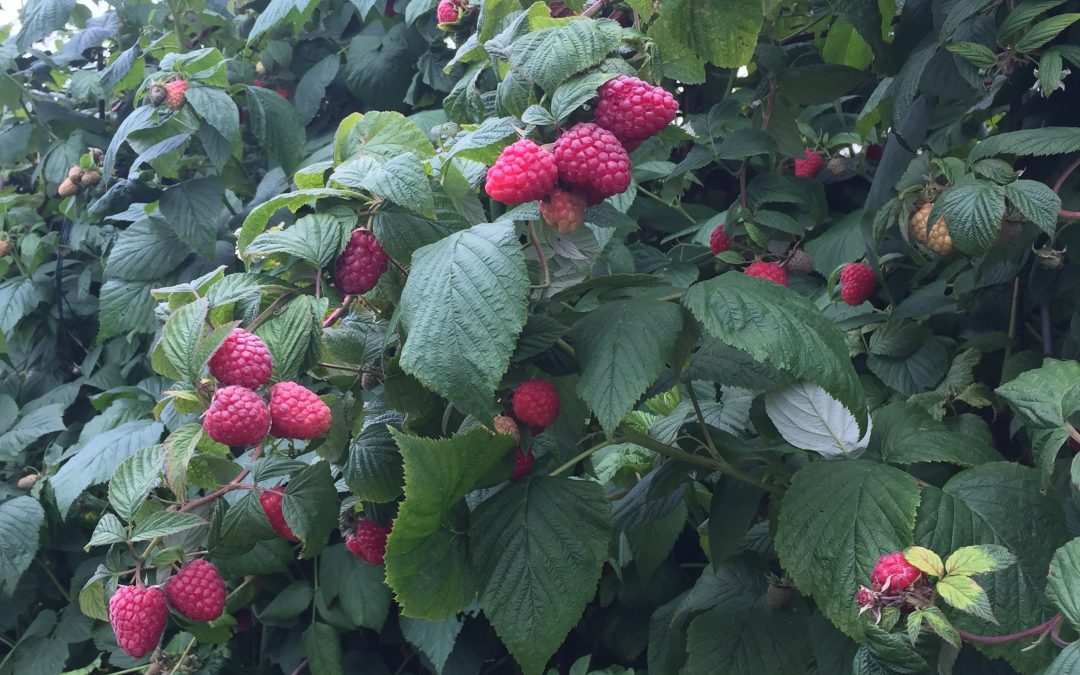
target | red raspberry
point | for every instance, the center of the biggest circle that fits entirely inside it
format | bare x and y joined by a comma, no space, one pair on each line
591,157
857,282
809,167
138,618
536,403
564,210
197,591
523,464
297,412
893,571
718,241
242,360
633,109
258,83
368,541
175,94
768,270
448,11
874,152
524,172
361,263
283,93
237,416
270,500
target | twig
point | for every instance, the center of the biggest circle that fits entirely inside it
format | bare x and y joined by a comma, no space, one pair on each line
234,484
1012,326
675,207
766,114
338,366
271,310
1044,324
328,321
1073,433
1065,174
545,273
721,465
701,420
1041,629
579,457
183,655
300,668
594,8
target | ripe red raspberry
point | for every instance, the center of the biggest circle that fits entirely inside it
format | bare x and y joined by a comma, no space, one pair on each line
591,157
283,93
768,270
258,83
448,11
523,464
368,541
270,500
564,210
361,263
237,416
242,360
197,591
536,403
633,109
297,412
809,167
893,571
524,172
857,282
138,618
874,152
718,241
175,94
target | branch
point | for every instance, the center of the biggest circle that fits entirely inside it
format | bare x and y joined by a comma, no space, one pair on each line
1041,629
719,464
329,321
234,484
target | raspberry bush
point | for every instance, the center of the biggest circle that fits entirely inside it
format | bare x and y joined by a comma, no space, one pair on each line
547,337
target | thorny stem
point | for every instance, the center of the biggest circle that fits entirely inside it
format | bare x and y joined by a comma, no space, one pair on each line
540,253
594,8
742,183
183,655
1061,181
337,366
579,457
1041,629
234,484
766,114
329,321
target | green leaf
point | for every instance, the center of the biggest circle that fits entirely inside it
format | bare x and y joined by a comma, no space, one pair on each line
1063,584
973,210
164,523
722,364
218,109
20,521
383,135
310,507
721,34
133,481
972,560
905,434
140,118
311,90
1029,143
427,562
316,238
357,588
322,645
836,520
965,594
145,251
938,623
575,93
974,53
435,639
98,460
180,338
536,578
925,560
38,19
1037,202
18,297
463,306
844,46
916,372
1067,662
292,337
775,325
485,143
403,181
374,470
622,347
260,215
1022,17
808,418
125,306
1045,399
179,448
1045,31
276,126
549,56
193,209
33,425
275,13
743,143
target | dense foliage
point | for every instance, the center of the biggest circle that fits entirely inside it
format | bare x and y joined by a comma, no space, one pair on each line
797,394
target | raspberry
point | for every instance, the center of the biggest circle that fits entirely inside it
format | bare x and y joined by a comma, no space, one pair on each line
270,500
505,425
874,152
258,83
297,412
197,591
718,241
237,416
5,247
175,94
536,403
283,93
894,571
448,11
857,282
809,167
767,270
138,618
800,262
242,360
361,263
157,94
564,210
523,464
937,239
524,172
67,188
368,541
633,109
592,158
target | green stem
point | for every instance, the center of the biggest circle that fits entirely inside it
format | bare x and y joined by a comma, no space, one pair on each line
52,577
579,457
701,420
183,655
270,311
676,207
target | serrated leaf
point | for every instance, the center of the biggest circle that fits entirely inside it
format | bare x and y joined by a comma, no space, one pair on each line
133,481
1067,662
310,507
463,306
109,530
1063,584
311,90
403,181
622,347
145,251
721,34
936,620
1029,143
193,209
164,523
575,93
30,427
536,578
316,238
435,639
383,135
427,562
294,201
965,594
982,559
39,18
20,521
217,108
925,560
322,645
777,326
140,118
357,588
374,469
292,337
485,143
836,520
551,55
808,418
977,54
179,448
973,210
1045,398
180,338
96,461
904,434
1045,31
276,126
1037,202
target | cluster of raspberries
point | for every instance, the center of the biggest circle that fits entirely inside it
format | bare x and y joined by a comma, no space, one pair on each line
138,613
535,403
589,162
238,415
894,582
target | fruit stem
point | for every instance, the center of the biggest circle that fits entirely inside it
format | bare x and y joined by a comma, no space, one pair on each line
329,321
271,310
675,207
1073,432
183,655
1041,629
579,457
539,255
234,484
